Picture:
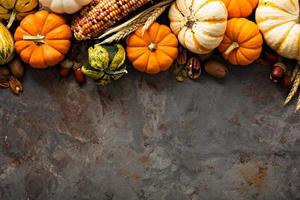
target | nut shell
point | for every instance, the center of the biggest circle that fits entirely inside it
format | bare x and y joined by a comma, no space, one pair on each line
64,72
15,85
4,74
194,68
216,69
79,76
17,68
278,72
182,56
286,81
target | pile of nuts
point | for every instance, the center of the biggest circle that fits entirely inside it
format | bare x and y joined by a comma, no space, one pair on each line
11,75
192,67
67,66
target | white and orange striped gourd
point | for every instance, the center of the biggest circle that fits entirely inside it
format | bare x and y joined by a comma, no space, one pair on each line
278,20
6,45
200,25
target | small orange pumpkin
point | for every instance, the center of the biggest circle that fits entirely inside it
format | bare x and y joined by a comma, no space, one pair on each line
43,39
240,8
154,51
242,43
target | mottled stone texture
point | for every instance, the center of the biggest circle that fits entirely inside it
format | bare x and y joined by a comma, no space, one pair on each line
149,138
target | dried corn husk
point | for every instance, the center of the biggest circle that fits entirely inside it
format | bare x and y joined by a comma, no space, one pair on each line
145,19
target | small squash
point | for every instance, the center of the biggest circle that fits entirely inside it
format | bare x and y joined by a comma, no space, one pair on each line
200,24
242,43
65,6
16,9
278,20
43,39
6,45
154,51
106,63
240,8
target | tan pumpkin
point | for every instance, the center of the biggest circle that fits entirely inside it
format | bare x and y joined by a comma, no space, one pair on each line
154,51
278,20
200,24
65,6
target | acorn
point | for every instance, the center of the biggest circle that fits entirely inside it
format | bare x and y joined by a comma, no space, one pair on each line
66,67
278,72
79,76
270,57
286,81
17,68
64,72
194,68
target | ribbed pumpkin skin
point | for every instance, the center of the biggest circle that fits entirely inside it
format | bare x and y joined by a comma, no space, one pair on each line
160,58
240,8
21,7
246,34
53,47
6,45
278,20
65,6
199,24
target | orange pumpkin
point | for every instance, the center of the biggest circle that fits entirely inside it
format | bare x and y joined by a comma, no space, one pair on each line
242,43
43,39
240,8
154,51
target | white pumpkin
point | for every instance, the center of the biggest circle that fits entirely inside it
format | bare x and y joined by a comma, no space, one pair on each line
278,20
199,24
65,6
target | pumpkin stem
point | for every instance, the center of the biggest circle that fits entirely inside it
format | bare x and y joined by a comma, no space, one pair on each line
12,18
38,39
190,23
231,48
152,47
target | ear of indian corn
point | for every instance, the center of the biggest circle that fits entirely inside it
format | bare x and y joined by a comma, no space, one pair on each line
106,13
86,9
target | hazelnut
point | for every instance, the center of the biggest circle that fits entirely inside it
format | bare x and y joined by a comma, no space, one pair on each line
271,57
278,72
286,81
79,76
64,72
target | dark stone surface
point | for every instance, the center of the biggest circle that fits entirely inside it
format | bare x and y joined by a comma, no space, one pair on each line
149,138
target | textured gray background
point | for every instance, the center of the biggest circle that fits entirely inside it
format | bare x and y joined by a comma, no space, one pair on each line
149,138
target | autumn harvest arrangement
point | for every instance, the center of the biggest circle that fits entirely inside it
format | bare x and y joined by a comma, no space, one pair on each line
121,33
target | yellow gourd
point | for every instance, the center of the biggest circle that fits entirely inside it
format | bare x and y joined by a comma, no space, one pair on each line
16,9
